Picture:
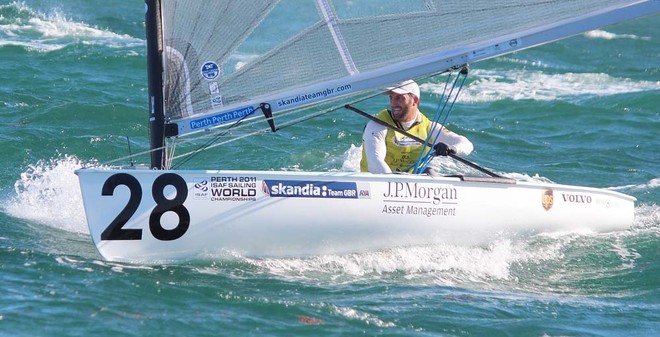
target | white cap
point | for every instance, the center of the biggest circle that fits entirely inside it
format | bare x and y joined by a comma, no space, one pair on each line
404,87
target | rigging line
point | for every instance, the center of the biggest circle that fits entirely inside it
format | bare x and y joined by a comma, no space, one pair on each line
146,152
418,166
262,131
451,107
463,72
106,163
419,140
439,111
222,143
137,154
216,137
214,132
210,142
171,153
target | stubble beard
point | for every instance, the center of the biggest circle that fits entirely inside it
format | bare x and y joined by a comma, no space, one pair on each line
401,114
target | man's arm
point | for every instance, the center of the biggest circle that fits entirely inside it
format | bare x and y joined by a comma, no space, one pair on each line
373,140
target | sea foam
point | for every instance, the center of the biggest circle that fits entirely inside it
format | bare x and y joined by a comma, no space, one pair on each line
496,85
48,192
22,26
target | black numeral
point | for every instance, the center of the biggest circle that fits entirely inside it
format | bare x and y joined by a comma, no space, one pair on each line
115,230
166,205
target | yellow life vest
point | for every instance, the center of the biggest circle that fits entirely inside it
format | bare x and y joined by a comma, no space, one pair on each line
402,151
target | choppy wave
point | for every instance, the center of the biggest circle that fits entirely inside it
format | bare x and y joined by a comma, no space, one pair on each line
496,85
436,264
647,218
653,183
601,34
22,26
537,264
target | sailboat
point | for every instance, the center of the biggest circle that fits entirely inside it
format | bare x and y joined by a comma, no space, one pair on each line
213,66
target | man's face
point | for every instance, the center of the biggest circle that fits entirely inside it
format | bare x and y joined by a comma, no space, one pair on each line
403,106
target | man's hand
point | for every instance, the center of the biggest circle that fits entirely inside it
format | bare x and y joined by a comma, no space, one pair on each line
442,149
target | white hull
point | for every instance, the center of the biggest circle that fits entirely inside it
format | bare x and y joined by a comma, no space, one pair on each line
257,213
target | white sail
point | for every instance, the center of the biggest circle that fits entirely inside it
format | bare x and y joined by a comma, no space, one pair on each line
222,58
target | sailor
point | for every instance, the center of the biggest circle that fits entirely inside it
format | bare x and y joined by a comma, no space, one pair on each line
385,150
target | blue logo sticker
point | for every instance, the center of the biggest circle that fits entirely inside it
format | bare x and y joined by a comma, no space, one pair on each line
310,189
210,70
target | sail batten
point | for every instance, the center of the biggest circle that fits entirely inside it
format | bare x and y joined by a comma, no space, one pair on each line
331,21
232,61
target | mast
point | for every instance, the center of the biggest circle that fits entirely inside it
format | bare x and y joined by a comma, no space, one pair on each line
153,24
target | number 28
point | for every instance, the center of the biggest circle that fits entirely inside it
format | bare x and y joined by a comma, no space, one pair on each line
115,230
